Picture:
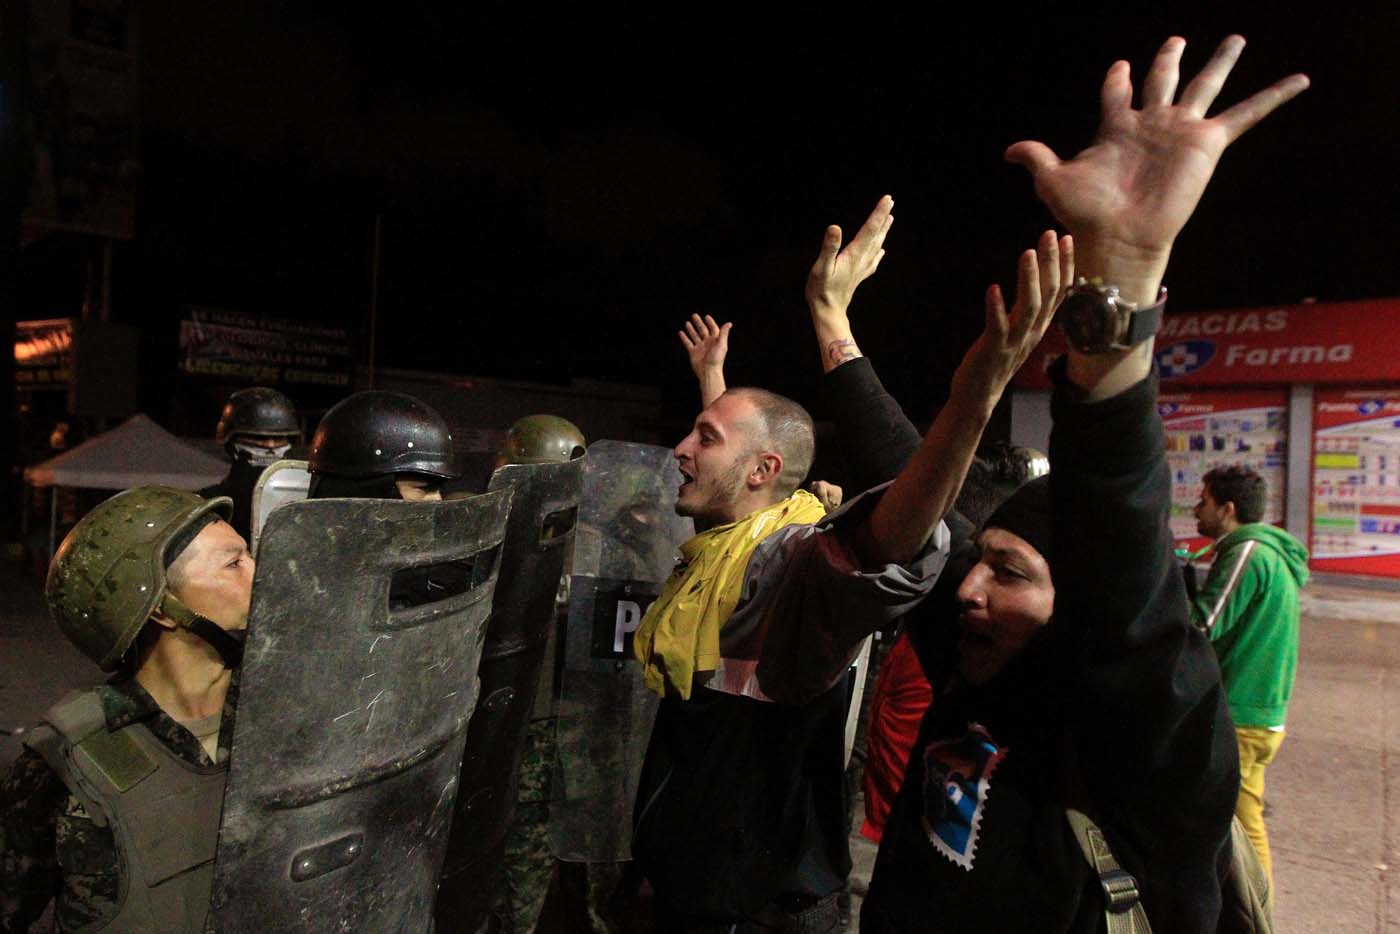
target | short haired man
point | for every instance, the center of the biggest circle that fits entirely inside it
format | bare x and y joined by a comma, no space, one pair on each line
1249,608
740,821
113,808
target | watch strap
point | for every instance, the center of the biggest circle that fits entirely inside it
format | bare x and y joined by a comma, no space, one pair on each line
1144,322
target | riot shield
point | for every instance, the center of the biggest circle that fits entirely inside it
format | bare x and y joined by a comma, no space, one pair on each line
627,541
283,482
539,538
352,714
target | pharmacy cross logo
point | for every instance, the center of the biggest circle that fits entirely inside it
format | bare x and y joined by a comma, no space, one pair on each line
1183,358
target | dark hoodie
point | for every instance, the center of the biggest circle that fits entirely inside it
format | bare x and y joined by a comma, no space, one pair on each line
1116,709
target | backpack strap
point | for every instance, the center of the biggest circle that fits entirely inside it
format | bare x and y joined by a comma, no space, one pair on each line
1123,911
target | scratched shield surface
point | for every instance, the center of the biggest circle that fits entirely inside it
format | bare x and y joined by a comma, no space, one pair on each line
358,682
626,545
539,539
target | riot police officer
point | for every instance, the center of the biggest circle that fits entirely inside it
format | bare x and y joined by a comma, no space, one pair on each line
381,445
378,444
529,866
113,808
257,427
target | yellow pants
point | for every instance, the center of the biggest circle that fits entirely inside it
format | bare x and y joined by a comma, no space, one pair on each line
1258,747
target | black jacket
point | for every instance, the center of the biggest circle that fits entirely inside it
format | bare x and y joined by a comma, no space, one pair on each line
1117,709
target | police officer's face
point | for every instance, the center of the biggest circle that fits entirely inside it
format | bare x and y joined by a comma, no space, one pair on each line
715,459
1006,599
418,491
214,576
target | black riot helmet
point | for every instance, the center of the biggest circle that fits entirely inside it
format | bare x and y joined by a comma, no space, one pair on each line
381,434
259,412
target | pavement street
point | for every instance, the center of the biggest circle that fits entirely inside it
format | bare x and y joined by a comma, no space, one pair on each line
1334,811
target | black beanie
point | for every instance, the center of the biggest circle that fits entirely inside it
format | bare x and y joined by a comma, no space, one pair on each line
1026,513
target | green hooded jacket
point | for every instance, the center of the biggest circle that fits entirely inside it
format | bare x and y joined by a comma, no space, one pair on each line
1249,608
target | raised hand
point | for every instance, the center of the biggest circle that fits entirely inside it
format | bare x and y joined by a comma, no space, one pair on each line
1042,276
909,511
834,277
1130,193
706,344
836,273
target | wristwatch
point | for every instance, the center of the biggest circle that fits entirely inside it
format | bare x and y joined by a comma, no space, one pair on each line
1096,320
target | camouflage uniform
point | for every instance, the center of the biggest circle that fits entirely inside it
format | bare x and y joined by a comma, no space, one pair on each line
529,865
51,849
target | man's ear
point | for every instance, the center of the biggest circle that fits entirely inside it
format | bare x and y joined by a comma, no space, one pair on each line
1228,508
163,621
767,470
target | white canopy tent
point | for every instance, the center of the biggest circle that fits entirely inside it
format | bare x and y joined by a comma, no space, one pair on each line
135,453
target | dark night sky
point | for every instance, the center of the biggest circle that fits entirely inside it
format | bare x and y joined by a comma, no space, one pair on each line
559,191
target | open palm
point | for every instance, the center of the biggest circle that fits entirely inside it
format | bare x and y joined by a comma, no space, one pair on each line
1139,182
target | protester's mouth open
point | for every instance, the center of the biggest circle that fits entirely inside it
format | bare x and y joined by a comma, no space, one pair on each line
686,479
974,636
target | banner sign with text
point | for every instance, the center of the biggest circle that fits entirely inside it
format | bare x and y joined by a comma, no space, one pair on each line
1339,342
263,350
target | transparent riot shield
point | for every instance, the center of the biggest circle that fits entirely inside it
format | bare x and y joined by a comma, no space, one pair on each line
358,681
539,539
626,546
283,482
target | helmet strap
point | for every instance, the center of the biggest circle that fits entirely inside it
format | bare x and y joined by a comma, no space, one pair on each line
229,647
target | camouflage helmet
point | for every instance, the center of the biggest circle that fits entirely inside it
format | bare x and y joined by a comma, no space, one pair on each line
541,439
260,412
108,576
377,433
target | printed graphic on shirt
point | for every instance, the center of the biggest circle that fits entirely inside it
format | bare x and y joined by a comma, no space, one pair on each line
957,779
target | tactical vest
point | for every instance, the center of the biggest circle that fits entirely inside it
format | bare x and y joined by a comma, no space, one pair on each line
163,812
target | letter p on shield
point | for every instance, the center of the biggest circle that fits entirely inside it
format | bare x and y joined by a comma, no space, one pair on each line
629,617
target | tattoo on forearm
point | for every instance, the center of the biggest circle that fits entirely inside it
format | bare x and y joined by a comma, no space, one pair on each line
842,350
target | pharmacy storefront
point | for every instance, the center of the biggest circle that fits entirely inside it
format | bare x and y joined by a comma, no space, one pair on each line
1307,395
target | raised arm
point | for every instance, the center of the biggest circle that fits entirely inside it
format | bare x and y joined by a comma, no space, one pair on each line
1127,196
834,277
925,489
875,436
1142,673
706,344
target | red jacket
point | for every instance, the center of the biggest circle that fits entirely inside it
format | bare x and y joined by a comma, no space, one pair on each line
902,694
